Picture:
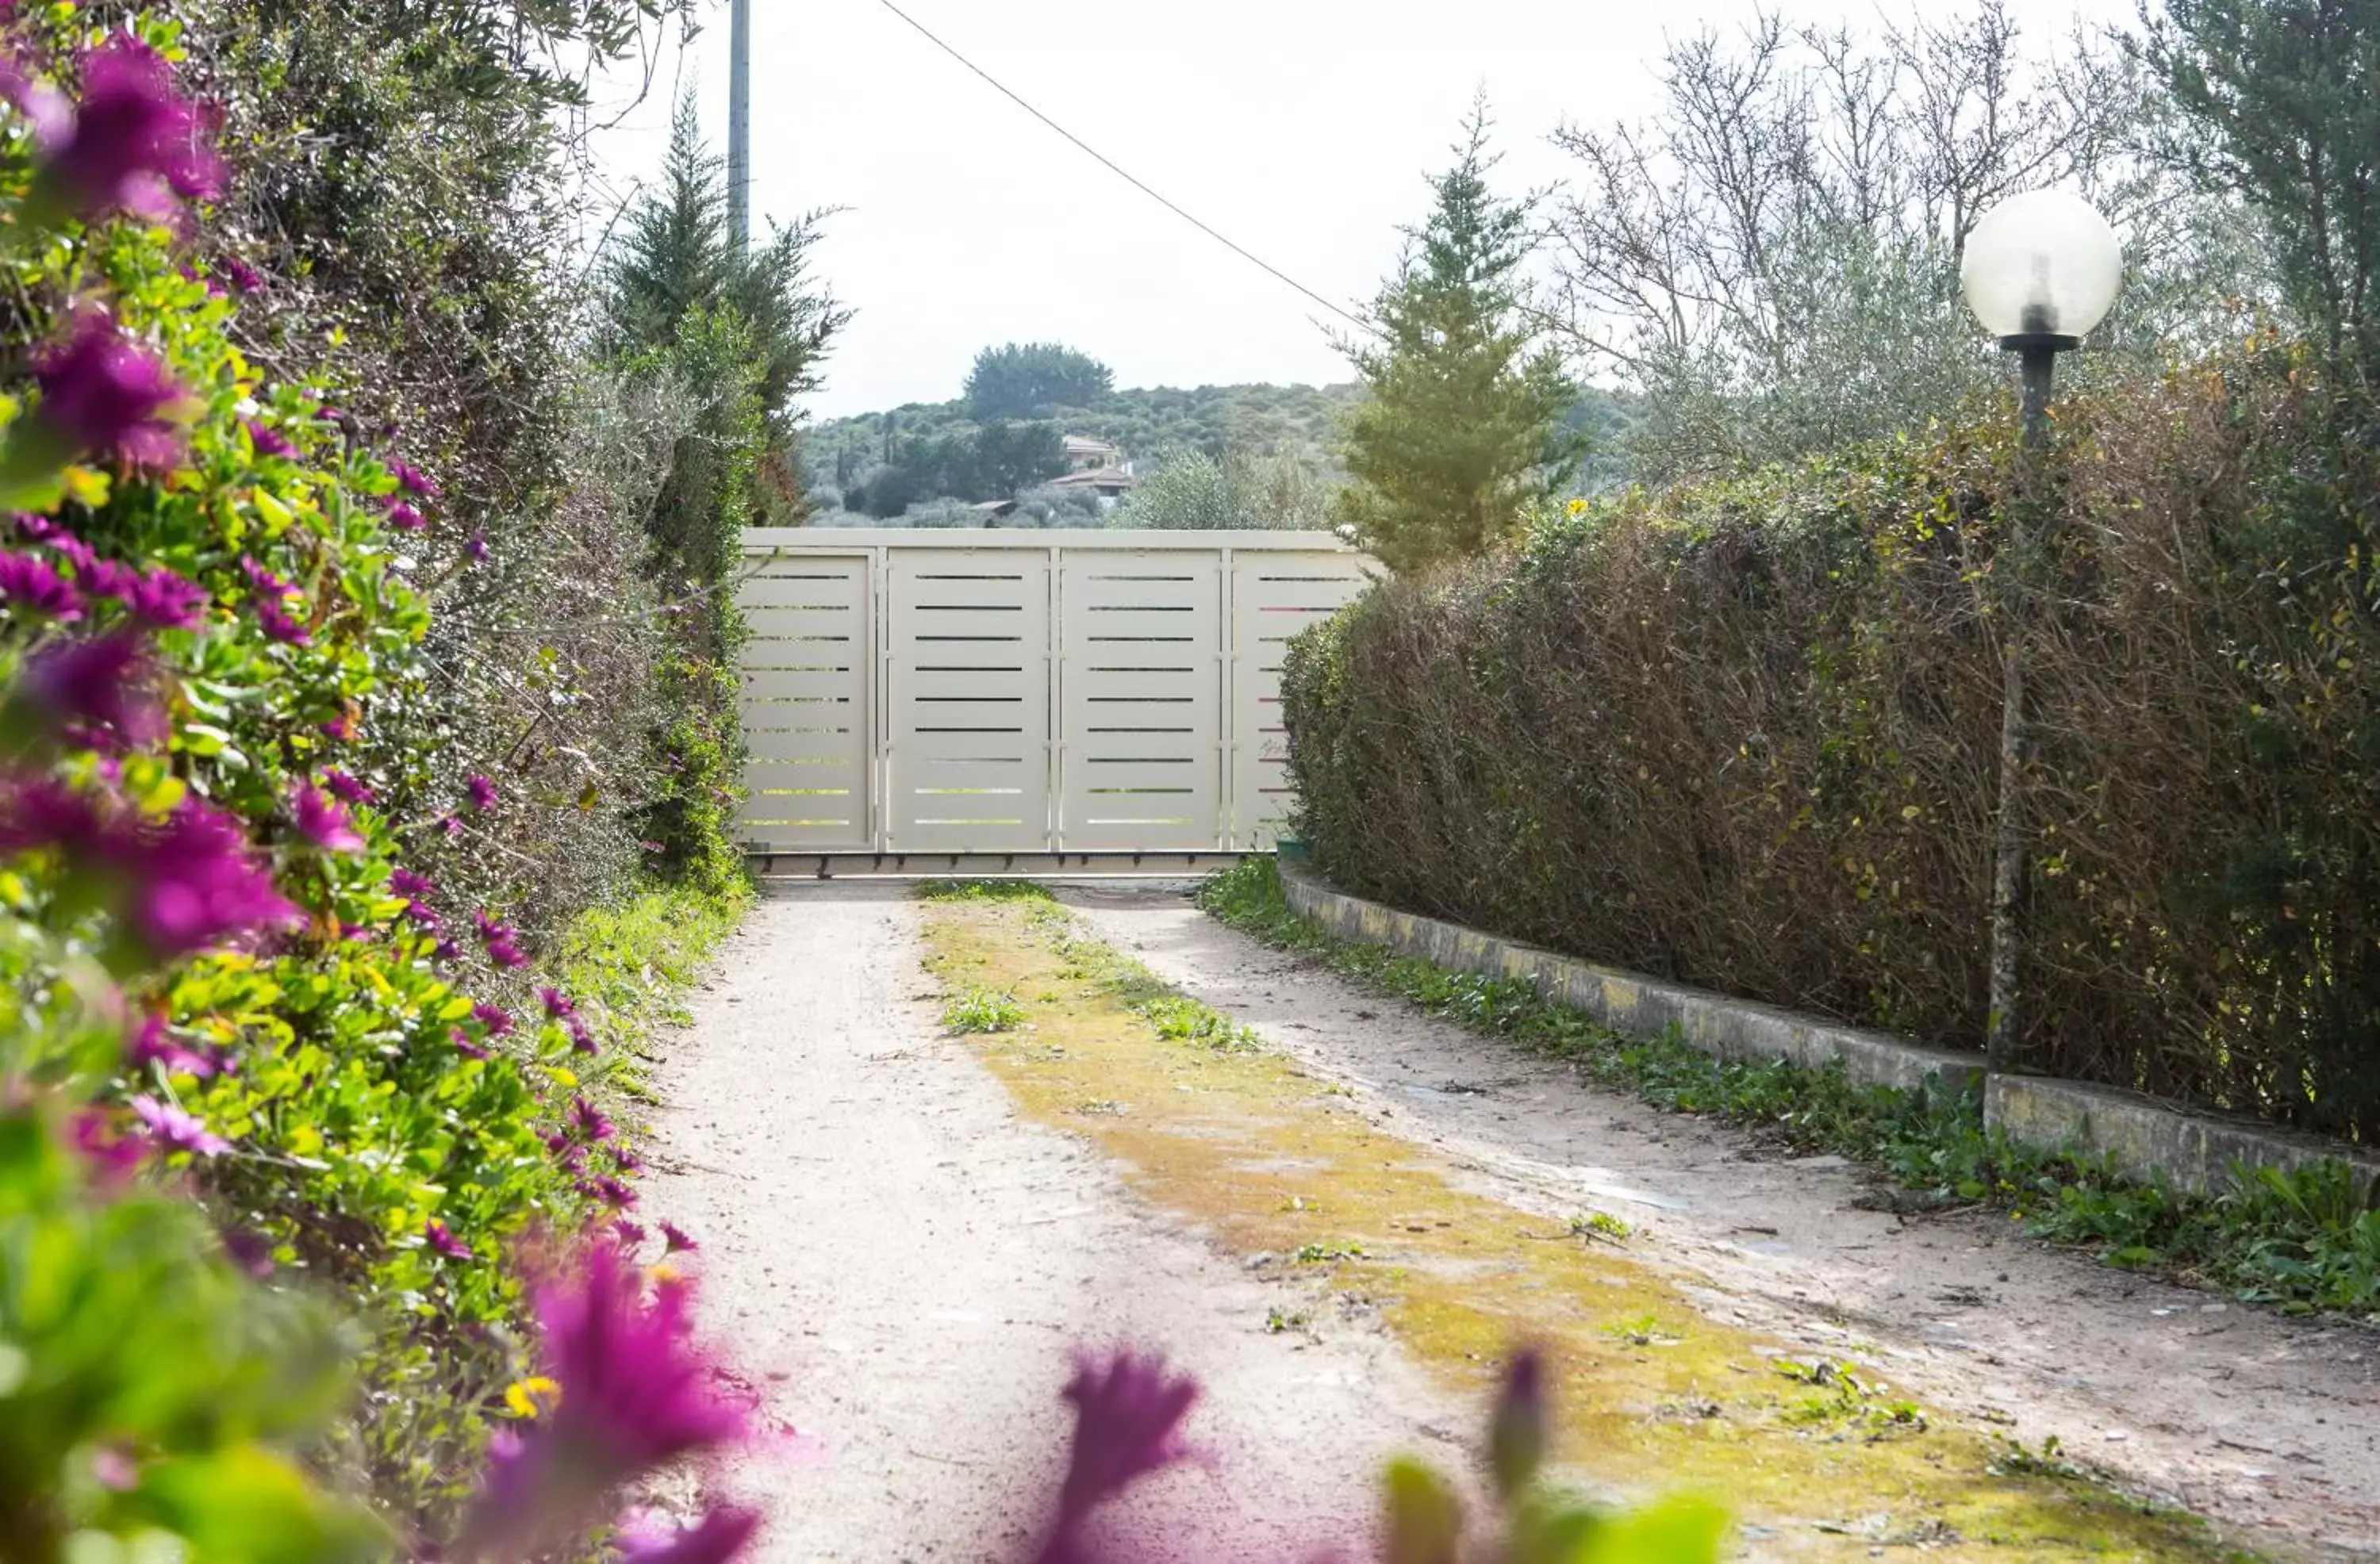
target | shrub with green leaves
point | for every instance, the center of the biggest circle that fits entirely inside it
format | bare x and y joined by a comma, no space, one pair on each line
1745,735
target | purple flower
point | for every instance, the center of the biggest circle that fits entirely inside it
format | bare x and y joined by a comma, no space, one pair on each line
446,1242
195,884
476,550
494,1019
504,953
425,917
322,823
183,884
134,143
268,441
482,792
154,1045
588,1122
98,684
1516,1432
581,1039
720,1535
412,481
244,277
250,1250
405,518
631,1234
163,599
113,1157
347,790
674,1237
627,1161
634,1395
279,626
572,1159
176,1130
341,727
466,1047
488,927
405,882
611,1192
35,528
446,951
1127,1422
263,582
35,585
451,825
557,1004
102,392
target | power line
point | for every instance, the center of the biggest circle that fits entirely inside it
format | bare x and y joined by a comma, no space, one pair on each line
1113,167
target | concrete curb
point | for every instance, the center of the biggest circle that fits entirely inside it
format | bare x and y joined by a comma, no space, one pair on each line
2144,1138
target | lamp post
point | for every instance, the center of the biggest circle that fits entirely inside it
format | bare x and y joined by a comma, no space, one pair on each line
2040,271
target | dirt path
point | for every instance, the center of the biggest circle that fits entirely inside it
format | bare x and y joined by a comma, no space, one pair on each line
2231,1411
900,1265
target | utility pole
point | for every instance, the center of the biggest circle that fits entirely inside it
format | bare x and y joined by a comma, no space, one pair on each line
739,126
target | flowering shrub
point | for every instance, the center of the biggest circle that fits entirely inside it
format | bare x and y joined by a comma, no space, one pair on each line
219,971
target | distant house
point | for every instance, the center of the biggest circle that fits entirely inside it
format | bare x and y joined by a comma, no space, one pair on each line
1108,484
1086,454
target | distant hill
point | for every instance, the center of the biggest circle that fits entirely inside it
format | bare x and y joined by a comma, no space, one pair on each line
842,455
920,463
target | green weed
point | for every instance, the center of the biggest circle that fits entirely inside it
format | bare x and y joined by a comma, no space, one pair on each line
2302,1240
981,1011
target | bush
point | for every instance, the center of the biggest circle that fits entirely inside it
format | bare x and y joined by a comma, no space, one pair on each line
1744,735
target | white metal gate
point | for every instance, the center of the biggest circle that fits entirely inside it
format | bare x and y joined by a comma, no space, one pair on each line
929,691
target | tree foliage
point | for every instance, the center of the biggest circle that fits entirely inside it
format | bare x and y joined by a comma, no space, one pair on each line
2277,107
1188,490
1033,380
1464,426
1770,259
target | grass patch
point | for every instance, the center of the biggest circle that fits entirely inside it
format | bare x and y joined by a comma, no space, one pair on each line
2303,1241
1651,1393
972,1011
629,965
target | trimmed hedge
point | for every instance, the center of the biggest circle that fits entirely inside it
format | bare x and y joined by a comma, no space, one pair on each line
1744,735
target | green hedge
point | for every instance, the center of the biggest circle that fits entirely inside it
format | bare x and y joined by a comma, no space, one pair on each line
1744,735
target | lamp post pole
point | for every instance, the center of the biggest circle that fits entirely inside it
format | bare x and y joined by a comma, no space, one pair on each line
2040,269
2036,354
739,125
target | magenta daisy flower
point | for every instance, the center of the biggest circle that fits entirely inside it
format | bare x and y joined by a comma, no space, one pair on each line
446,1242
133,143
675,1238
269,441
405,518
156,1045
496,1020
322,823
588,1122
631,1234
720,1535
103,393
405,882
98,683
634,1395
345,788
557,1005
466,1047
411,480
279,626
35,586
481,792
175,1130
163,600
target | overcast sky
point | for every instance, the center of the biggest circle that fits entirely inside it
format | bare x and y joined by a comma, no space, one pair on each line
1301,128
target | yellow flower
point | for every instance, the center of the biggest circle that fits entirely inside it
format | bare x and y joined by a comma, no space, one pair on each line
533,1397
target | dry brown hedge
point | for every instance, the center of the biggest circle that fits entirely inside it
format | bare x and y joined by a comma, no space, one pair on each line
1744,735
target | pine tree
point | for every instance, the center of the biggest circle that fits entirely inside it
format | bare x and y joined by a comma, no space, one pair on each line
1463,428
675,259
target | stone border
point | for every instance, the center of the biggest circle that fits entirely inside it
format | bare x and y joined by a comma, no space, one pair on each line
2143,1137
